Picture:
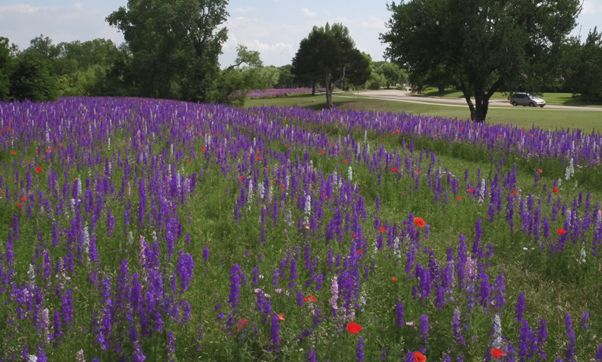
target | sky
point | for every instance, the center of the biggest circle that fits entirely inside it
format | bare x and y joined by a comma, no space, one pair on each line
272,27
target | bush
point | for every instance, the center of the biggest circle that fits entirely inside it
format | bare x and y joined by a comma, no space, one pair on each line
376,81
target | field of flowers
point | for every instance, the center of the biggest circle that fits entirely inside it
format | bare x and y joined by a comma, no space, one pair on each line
272,93
151,230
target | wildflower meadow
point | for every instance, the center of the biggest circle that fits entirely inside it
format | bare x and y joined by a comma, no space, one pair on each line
152,230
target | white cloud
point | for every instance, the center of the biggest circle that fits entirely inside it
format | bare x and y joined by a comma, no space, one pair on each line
18,9
22,22
307,12
276,48
244,10
591,7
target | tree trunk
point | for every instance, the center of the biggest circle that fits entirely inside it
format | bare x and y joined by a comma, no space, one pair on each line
482,106
313,88
328,86
468,100
441,88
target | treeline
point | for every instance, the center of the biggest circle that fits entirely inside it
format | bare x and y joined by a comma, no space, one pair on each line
579,71
45,71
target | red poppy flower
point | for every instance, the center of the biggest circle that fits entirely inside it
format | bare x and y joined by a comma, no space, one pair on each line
394,169
459,198
394,279
23,198
354,327
38,169
382,229
13,152
515,192
243,322
19,204
280,316
203,148
497,353
418,171
470,191
540,171
554,190
344,161
321,152
419,357
561,231
359,252
259,158
310,298
419,222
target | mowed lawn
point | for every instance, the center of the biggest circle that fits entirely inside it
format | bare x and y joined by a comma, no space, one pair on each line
561,99
522,117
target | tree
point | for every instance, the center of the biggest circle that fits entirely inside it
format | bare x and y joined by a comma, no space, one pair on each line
483,44
583,64
175,45
7,60
391,71
43,47
285,80
31,78
328,54
119,78
376,81
268,77
238,79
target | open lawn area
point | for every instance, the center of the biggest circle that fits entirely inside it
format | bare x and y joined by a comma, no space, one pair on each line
523,117
561,99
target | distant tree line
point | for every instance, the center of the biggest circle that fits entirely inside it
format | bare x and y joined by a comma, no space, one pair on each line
171,51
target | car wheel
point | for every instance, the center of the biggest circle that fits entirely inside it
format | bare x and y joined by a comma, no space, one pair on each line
514,104
531,104
542,105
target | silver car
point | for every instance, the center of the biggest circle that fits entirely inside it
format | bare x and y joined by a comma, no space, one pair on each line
526,99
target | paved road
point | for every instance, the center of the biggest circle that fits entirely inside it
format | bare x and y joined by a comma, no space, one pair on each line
403,96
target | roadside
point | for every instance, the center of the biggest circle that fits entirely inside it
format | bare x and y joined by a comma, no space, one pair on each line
404,96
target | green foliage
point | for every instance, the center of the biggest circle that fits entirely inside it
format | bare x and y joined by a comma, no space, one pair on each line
247,73
7,60
583,64
31,78
391,72
286,79
43,47
175,46
329,54
80,83
481,45
119,78
376,81
268,77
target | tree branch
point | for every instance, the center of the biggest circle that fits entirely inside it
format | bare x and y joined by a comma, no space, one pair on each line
340,79
498,83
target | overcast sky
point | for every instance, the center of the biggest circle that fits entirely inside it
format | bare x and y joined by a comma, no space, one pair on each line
272,27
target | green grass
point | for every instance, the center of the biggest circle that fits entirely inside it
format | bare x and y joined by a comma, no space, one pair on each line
561,99
247,146
523,117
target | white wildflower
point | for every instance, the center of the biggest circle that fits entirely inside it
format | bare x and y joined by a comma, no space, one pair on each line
497,332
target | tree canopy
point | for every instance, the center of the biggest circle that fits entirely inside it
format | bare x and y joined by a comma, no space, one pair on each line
391,72
174,44
329,55
482,45
583,64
